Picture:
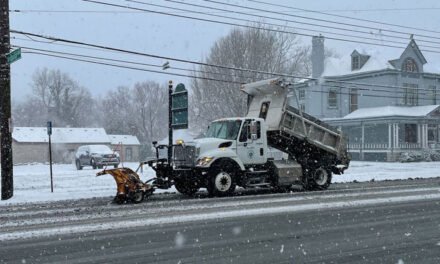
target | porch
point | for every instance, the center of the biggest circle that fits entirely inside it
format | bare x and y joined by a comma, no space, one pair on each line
385,137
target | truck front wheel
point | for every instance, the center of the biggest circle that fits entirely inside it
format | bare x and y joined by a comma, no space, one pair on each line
187,188
222,179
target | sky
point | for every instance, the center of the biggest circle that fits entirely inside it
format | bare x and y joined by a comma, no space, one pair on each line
188,39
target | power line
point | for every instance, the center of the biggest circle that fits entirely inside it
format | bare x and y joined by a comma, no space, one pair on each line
205,64
149,55
256,12
131,68
316,19
202,78
355,18
284,20
191,70
247,26
124,61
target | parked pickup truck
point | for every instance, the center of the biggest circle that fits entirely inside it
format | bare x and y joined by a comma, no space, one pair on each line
235,151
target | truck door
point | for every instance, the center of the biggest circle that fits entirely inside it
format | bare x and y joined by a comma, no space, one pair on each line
251,150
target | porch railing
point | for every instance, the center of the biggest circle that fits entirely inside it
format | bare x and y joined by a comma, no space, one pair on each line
381,146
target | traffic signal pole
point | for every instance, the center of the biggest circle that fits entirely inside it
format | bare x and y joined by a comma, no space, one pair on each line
5,105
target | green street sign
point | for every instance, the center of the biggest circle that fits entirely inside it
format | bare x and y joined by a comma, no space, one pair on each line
14,56
179,107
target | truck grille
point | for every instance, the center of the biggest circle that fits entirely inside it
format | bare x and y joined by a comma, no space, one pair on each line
184,156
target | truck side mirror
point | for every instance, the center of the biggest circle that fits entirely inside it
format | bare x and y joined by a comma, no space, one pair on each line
253,130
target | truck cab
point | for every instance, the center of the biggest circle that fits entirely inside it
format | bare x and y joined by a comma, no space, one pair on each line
243,139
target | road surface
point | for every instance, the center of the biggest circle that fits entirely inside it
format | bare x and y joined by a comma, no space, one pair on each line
376,222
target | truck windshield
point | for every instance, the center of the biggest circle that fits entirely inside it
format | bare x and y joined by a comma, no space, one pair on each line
224,129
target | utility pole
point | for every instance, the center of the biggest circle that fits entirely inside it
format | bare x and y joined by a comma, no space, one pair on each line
5,104
170,122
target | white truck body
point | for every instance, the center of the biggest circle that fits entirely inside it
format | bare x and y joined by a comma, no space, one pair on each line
236,150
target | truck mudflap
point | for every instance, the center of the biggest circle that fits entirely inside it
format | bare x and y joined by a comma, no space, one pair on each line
339,169
129,185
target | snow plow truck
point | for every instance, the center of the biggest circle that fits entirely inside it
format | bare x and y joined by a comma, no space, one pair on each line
236,151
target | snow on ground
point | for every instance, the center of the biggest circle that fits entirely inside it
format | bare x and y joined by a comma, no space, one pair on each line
32,182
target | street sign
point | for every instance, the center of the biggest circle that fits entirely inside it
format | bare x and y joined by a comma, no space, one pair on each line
49,128
179,107
14,56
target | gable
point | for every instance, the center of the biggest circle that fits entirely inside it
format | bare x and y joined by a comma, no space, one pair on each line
411,53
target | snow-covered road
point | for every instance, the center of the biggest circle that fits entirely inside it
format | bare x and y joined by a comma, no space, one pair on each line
32,182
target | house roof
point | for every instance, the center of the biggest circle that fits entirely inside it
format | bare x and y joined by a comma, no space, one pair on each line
124,139
380,59
342,66
60,135
389,111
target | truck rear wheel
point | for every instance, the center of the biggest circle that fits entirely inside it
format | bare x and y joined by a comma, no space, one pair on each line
222,179
187,188
318,179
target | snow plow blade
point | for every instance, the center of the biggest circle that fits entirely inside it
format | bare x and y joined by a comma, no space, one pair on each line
129,185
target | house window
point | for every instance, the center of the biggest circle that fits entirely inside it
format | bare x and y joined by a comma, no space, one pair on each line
128,154
432,96
410,65
410,94
410,133
353,99
302,94
355,63
333,98
433,134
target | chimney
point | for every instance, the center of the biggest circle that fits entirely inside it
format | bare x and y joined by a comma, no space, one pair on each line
317,56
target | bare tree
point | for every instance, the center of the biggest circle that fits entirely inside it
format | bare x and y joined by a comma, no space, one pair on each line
253,48
151,100
29,113
140,111
62,97
58,98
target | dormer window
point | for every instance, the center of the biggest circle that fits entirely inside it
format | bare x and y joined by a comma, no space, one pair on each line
355,63
410,65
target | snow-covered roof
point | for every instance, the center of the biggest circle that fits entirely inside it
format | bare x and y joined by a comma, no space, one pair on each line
124,139
342,66
379,59
386,111
60,135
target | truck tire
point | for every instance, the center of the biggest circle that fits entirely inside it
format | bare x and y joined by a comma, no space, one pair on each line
185,187
137,196
318,179
222,179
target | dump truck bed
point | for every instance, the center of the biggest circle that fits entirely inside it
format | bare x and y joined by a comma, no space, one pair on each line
292,131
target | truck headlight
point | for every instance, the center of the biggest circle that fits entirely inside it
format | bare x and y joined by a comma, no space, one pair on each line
204,161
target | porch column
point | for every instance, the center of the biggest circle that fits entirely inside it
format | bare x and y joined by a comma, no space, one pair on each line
396,135
425,135
390,134
361,151
420,135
